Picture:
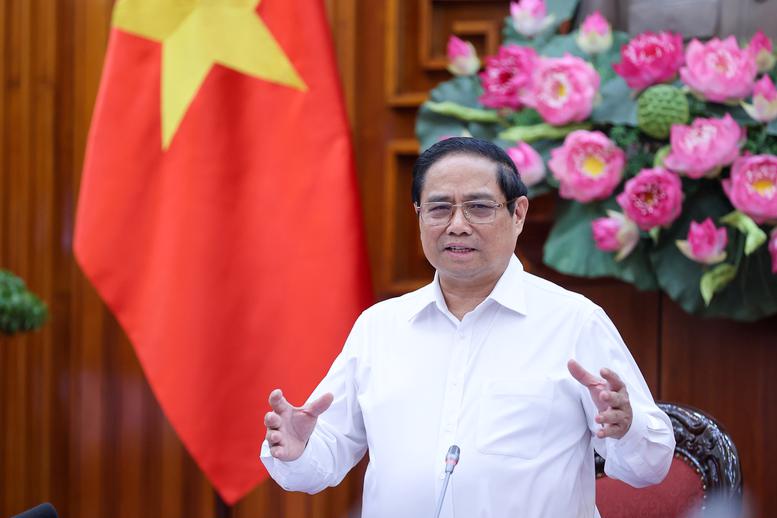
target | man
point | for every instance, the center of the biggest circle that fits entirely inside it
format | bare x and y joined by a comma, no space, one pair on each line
487,357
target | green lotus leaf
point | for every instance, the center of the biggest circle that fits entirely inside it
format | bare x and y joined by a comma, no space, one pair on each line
718,111
618,104
603,62
432,127
754,236
464,113
771,128
561,10
751,295
540,132
658,160
570,248
562,44
461,90
715,279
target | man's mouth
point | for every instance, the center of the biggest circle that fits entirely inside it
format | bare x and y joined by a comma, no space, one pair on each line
456,249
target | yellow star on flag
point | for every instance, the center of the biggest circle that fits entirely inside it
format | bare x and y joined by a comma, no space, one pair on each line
195,35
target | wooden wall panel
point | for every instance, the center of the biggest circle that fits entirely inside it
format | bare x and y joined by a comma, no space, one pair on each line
729,370
80,426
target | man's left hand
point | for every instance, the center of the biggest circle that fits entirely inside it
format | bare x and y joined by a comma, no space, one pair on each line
611,398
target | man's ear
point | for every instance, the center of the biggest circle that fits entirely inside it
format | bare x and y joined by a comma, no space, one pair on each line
521,209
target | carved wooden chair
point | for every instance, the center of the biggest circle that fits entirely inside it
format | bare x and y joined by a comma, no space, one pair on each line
705,463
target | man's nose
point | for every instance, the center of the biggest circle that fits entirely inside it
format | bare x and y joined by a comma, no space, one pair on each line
458,223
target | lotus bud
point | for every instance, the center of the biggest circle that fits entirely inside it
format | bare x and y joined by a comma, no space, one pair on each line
595,34
705,244
530,17
462,57
528,162
760,47
615,233
764,107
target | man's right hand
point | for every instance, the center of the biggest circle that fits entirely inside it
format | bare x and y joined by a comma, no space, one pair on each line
289,427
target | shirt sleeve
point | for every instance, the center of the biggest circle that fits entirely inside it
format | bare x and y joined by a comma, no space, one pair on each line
339,440
644,454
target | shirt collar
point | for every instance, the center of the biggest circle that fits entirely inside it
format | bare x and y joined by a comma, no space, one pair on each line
508,292
423,298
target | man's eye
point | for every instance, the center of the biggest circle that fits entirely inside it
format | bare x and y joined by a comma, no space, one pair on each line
439,209
480,206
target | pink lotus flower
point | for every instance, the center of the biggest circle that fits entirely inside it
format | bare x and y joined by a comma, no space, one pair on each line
615,233
760,47
773,248
719,70
588,166
562,89
530,17
706,243
764,107
507,75
652,198
752,188
462,58
704,147
650,58
528,162
595,34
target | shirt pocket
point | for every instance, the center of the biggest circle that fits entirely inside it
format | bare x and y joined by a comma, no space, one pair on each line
513,416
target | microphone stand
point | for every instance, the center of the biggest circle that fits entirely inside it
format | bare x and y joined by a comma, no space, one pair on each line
451,459
442,494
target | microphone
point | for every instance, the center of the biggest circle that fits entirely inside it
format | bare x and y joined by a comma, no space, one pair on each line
40,511
451,459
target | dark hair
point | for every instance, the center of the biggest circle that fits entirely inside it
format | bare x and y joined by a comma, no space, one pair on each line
506,174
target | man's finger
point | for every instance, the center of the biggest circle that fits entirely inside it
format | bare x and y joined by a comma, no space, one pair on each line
583,376
274,437
277,451
613,379
278,402
612,399
611,417
610,430
272,420
319,406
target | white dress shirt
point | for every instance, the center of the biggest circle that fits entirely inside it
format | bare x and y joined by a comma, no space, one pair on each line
412,380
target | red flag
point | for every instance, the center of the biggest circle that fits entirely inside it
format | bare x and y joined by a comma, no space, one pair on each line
218,216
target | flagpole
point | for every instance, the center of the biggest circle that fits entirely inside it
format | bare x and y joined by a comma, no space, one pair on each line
221,508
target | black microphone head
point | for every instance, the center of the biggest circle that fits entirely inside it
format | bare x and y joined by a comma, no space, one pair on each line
39,511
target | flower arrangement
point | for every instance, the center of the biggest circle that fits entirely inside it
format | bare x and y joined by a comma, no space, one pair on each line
662,153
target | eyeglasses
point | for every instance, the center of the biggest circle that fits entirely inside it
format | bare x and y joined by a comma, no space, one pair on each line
435,213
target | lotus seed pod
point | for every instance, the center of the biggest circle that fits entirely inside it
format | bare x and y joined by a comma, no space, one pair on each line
659,107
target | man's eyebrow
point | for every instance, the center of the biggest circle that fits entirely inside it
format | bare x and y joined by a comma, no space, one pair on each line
477,195
438,197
